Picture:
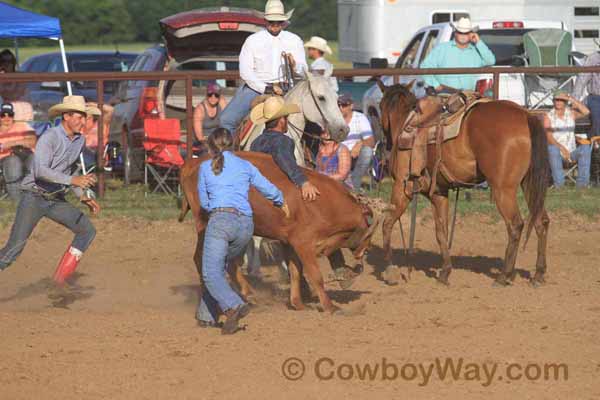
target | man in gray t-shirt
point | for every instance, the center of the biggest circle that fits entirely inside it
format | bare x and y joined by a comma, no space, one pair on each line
44,189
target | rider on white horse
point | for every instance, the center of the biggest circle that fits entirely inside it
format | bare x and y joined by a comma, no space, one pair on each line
262,65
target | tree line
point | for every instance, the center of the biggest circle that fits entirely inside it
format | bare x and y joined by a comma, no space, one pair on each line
121,21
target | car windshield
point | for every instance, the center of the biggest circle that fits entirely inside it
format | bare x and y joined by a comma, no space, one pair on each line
101,63
504,43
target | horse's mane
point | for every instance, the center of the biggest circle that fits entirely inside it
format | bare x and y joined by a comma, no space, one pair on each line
397,93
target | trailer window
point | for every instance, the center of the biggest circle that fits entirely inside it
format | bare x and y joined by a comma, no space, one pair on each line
587,33
439,17
410,53
587,11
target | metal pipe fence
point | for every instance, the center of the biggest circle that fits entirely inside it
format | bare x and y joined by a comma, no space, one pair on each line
189,76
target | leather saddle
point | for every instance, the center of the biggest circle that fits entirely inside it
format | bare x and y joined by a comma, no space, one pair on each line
434,112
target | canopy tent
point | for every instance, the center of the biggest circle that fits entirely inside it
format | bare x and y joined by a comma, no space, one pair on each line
17,23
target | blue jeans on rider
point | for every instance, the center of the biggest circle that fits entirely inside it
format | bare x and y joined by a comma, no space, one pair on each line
238,108
361,166
582,155
226,237
32,208
14,169
594,106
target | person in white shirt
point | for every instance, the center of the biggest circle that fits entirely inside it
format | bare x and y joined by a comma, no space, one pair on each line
261,63
360,140
316,48
559,123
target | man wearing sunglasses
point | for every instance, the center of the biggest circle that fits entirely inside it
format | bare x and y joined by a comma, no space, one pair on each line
207,113
262,64
360,140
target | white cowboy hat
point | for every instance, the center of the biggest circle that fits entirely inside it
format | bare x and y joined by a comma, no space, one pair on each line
69,104
274,11
464,26
318,43
271,109
92,109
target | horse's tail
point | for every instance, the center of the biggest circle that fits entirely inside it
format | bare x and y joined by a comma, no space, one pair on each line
185,207
535,182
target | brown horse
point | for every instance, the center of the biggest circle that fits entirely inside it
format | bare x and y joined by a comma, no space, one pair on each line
498,141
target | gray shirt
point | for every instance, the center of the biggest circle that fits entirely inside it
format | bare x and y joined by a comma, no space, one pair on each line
591,81
55,154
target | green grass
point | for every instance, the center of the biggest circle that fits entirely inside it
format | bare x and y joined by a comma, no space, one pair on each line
119,202
26,52
132,202
583,202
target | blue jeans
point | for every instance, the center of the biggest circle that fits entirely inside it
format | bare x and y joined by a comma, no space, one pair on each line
237,109
226,237
14,169
361,167
582,155
32,208
594,106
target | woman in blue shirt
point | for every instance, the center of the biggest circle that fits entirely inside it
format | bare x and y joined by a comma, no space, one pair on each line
223,185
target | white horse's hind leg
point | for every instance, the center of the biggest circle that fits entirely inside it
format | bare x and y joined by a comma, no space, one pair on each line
253,256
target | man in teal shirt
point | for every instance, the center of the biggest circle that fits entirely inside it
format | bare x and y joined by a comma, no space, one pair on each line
467,50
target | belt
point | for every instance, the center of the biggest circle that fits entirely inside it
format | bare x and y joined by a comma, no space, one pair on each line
231,210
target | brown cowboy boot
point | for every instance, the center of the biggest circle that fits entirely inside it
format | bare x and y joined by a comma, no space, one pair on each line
234,316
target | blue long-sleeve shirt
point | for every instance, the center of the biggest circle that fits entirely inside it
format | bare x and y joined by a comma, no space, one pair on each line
230,188
449,55
281,148
55,154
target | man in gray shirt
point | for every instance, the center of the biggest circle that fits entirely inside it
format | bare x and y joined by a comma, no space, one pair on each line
44,189
591,82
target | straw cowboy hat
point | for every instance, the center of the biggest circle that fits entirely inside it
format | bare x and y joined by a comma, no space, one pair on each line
274,11
92,109
318,43
271,109
69,104
464,26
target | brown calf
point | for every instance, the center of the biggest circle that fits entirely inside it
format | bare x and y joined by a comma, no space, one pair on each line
319,228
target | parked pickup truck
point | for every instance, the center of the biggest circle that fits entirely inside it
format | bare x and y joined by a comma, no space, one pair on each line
504,38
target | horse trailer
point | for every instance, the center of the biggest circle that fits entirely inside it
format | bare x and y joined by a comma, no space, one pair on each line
370,29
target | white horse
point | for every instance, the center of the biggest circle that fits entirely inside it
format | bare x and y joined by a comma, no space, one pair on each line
317,100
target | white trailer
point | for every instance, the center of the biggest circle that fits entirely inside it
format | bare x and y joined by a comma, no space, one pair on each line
381,28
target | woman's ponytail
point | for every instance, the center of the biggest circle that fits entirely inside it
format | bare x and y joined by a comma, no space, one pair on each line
218,142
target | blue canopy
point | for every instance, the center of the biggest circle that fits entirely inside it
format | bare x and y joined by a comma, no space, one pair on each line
16,22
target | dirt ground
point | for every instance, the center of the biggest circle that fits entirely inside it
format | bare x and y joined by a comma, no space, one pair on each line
129,332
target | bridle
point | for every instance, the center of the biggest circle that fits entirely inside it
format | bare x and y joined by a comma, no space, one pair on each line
320,110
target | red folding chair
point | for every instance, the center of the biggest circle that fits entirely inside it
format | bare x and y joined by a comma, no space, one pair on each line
162,159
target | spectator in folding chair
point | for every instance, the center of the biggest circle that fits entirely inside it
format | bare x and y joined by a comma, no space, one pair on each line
44,190
333,159
360,140
17,142
207,114
562,144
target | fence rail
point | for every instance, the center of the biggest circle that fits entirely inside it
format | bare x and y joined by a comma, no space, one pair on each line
189,76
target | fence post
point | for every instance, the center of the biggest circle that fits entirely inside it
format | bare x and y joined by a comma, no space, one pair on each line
190,117
396,79
100,148
496,85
